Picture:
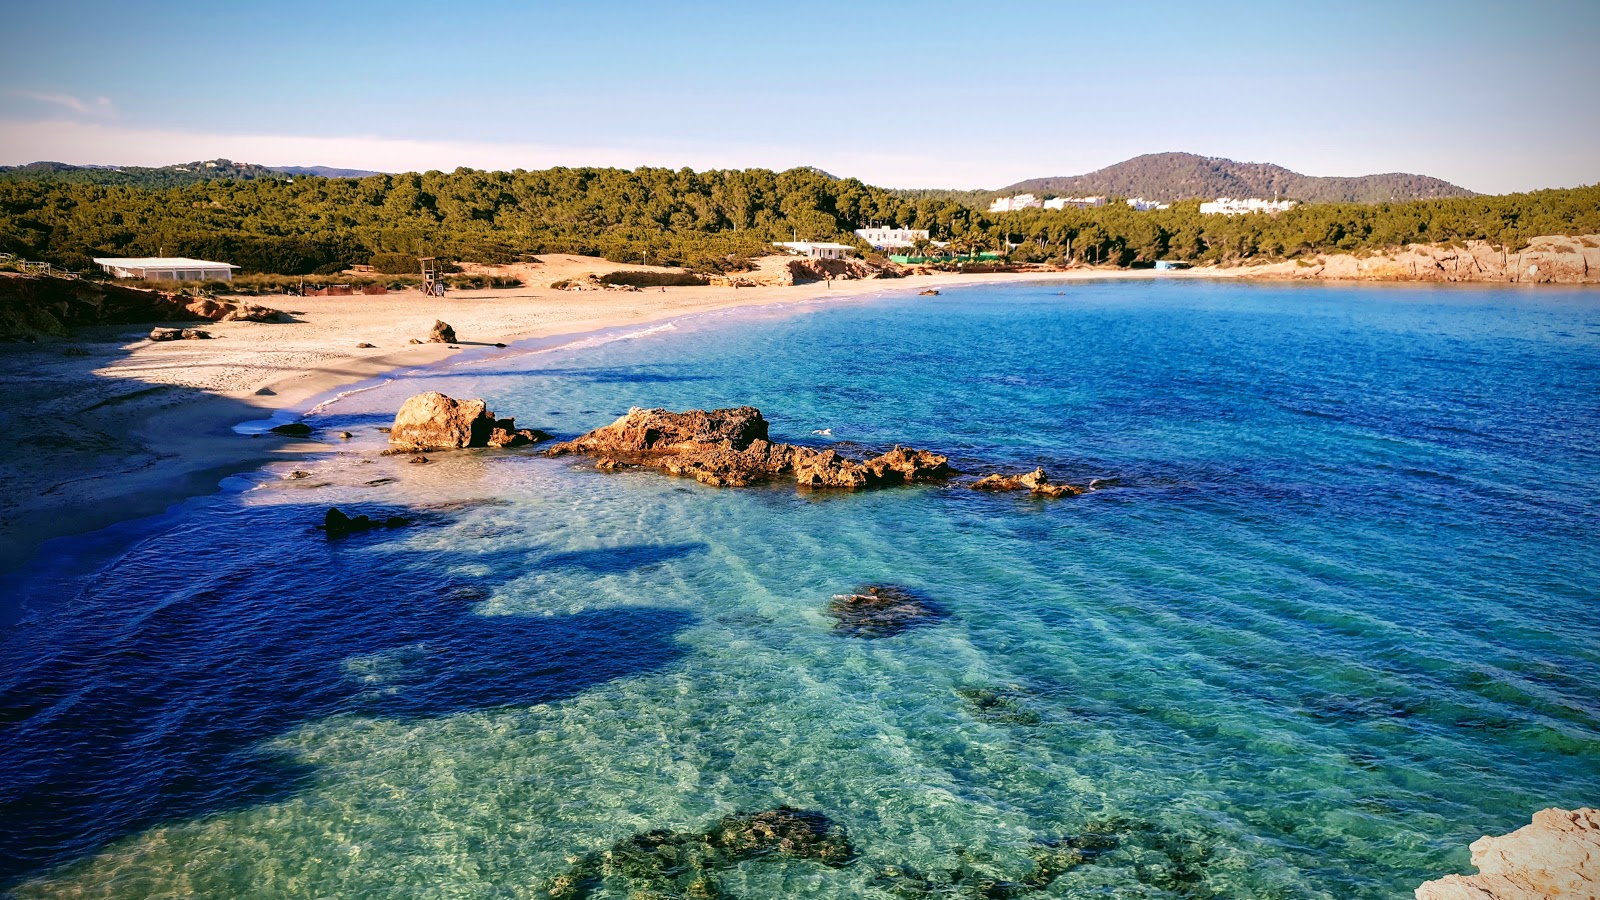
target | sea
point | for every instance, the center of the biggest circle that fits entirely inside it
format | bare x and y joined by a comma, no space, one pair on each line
1332,613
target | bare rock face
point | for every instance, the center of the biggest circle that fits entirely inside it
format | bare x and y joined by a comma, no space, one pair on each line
1035,482
442,334
433,421
662,431
729,448
1556,856
1549,259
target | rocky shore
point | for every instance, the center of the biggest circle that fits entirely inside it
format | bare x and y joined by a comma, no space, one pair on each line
1557,855
1558,259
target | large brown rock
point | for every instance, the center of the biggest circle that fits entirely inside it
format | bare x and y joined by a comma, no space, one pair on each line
662,431
1558,855
442,333
433,421
729,448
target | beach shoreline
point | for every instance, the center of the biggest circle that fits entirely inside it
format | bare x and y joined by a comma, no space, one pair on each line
125,428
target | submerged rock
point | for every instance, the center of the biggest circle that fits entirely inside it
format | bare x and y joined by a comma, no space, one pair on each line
1035,482
1003,705
730,448
879,611
292,429
681,863
1557,855
434,421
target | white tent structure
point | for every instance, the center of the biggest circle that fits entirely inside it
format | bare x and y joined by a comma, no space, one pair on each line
167,268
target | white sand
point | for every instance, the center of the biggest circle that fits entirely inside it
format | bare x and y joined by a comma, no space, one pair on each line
136,426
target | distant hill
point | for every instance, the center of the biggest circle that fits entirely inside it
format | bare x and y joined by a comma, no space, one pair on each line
167,176
323,171
1185,176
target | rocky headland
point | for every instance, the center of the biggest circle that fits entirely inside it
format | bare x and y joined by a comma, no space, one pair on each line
1546,260
34,306
1557,855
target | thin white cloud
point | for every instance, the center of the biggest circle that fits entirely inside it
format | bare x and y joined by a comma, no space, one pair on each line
76,104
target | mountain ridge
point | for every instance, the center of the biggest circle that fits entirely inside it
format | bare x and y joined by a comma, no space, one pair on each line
1173,176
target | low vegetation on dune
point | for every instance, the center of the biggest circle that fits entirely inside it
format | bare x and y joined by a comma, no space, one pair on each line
712,221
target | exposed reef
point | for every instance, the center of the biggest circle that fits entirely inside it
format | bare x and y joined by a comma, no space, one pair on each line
1035,482
730,448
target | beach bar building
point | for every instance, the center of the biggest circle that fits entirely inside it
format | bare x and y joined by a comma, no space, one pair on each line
167,268
817,249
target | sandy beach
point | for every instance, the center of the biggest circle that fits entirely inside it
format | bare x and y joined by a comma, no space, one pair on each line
109,426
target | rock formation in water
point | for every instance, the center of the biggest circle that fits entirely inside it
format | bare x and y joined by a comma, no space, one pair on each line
730,448
337,524
878,611
1558,855
433,421
681,863
1035,482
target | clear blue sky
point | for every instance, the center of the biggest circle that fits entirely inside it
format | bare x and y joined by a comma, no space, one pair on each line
1496,97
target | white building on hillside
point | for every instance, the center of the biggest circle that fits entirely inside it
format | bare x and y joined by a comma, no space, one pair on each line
817,249
1074,202
1227,206
1143,205
892,238
167,268
1012,204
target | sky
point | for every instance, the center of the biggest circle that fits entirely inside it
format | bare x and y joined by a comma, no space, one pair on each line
1494,97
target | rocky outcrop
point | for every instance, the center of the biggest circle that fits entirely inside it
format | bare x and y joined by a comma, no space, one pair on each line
1546,260
730,448
442,333
337,524
684,863
1035,482
179,334
32,306
877,611
433,421
803,271
1558,855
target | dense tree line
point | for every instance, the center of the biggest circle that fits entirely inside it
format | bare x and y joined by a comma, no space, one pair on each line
705,220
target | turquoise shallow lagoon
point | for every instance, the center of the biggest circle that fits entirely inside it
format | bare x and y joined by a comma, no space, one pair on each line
1340,617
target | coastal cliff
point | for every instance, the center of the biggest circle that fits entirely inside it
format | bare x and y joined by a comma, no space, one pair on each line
1558,855
1552,259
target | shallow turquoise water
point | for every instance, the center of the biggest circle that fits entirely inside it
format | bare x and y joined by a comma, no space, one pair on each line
1339,619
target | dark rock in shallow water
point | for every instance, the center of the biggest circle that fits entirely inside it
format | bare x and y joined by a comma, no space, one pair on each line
882,611
1002,705
293,429
337,524
1035,482
680,864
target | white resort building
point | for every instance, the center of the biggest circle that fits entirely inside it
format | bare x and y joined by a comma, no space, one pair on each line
1227,206
892,238
817,249
167,268
1143,205
1012,204
1074,202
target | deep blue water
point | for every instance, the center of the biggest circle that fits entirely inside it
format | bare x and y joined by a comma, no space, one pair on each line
1338,619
